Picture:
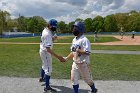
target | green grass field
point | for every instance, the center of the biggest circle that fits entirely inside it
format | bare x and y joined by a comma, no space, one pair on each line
23,40
24,61
116,47
61,39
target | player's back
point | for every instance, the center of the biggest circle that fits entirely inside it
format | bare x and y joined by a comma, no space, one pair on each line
46,39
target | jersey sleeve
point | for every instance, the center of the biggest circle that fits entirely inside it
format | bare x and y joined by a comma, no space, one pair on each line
86,46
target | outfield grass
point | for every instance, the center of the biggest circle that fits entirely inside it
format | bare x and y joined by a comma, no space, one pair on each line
101,39
116,47
115,67
21,39
19,60
61,39
24,61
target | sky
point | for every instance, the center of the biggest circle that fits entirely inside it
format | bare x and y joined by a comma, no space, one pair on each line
67,10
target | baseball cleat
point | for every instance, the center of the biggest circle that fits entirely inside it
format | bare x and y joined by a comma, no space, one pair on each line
94,91
41,80
49,89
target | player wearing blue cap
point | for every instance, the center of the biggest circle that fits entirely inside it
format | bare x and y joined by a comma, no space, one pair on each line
80,51
46,53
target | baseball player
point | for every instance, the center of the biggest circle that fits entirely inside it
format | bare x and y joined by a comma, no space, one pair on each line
80,51
46,53
122,33
133,34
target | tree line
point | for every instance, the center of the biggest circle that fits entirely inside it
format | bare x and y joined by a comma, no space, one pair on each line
111,23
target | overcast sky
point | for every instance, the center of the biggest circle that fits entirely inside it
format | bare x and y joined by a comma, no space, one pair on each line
67,10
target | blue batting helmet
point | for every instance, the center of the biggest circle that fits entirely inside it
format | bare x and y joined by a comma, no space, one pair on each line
53,23
80,25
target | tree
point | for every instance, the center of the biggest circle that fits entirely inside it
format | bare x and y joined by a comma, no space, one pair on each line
79,19
12,23
4,17
69,27
22,24
40,23
1,23
35,24
97,23
62,27
134,24
88,25
132,12
122,20
110,24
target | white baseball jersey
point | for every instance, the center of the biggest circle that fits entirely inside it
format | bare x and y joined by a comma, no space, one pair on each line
46,41
80,66
84,44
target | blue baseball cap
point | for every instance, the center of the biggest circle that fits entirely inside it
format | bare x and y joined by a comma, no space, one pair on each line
53,22
80,25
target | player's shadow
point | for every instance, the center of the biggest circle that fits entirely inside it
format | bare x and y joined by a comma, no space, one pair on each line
63,89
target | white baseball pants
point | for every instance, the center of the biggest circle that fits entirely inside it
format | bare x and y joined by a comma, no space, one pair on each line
46,62
83,70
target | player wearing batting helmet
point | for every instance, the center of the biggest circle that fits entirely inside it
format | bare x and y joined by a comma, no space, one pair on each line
46,53
80,51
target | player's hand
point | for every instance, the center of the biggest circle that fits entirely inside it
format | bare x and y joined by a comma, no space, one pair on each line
66,59
61,59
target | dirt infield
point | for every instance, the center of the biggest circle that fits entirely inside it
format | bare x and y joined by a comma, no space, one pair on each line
127,40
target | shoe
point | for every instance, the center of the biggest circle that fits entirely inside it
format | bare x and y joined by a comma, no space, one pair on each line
49,89
41,80
94,91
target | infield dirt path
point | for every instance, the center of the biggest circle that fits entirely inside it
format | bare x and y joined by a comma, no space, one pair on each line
127,40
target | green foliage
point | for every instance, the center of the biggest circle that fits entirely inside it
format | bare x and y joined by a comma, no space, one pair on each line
69,27
12,24
134,22
88,25
110,24
97,24
79,19
4,17
62,27
122,19
33,24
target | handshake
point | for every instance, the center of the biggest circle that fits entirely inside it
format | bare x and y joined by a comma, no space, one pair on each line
74,48
62,59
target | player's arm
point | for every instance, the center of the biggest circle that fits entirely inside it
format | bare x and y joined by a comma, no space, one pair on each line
86,48
55,55
70,56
